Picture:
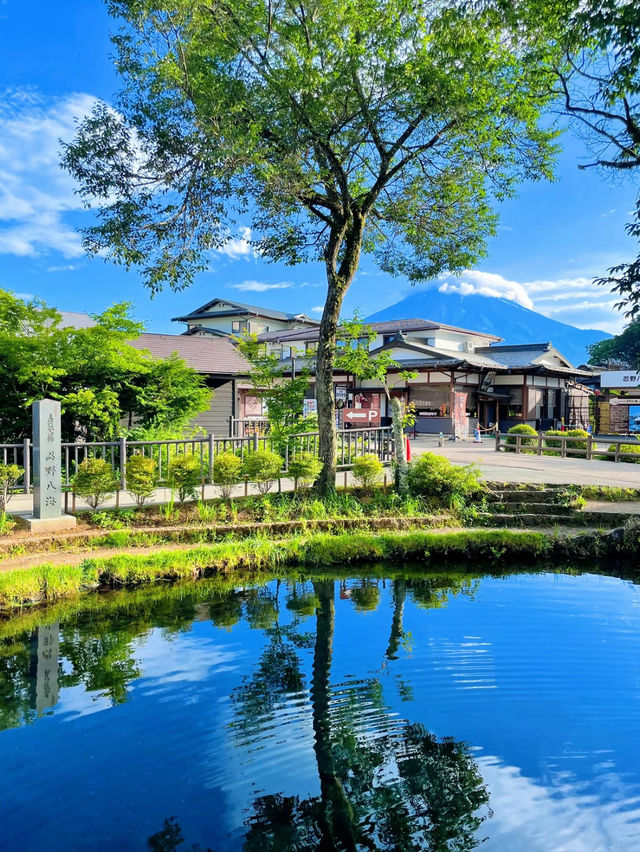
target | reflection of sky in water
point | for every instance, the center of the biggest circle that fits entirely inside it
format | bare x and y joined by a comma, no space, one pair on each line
539,675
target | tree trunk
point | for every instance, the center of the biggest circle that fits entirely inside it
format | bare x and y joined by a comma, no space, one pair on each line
327,444
398,448
342,256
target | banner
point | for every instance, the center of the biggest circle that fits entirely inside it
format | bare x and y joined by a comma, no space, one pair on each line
460,423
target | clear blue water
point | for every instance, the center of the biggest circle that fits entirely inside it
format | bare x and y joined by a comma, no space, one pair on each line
399,713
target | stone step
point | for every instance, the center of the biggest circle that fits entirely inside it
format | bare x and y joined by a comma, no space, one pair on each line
581,519
525,496
530,508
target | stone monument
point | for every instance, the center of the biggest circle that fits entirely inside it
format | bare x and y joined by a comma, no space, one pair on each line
47,470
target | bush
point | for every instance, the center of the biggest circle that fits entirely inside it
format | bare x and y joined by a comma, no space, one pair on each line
185,475
367,470
141,478
525,430
569,433
263,467
304,469
627,448
95,481
435,476
227,470
9,475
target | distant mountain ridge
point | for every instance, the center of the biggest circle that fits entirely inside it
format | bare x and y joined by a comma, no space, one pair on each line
492,315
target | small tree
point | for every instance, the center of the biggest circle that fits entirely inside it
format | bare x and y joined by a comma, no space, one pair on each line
185,475
367,470
284,395
263,467
9,475
227,470
141,478
304,468
94,481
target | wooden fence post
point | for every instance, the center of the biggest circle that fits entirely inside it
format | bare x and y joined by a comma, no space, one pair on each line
539,443
590,447
497,440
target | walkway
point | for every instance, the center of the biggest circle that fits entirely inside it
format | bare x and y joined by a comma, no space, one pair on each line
520,468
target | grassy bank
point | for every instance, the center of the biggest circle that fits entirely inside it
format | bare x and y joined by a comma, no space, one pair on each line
477,548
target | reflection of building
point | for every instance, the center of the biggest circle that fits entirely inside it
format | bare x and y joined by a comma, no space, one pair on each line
45,644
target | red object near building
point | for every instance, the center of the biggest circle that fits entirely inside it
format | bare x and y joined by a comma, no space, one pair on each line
408,449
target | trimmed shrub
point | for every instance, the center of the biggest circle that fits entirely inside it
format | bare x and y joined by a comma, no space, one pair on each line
95,481
367,470
436,477
227,470
185,475
263,467
525,430
304,469
9,475
141,478
627,448
569,433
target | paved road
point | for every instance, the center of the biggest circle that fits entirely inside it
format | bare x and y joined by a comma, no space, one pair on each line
509,467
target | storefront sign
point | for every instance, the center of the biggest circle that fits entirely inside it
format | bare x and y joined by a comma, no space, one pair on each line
620,379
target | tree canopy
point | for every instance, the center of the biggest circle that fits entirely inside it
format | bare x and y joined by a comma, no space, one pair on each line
105,385
623,350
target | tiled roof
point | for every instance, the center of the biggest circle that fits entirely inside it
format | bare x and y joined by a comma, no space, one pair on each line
388,326
75,319
269,313
521,354
210,355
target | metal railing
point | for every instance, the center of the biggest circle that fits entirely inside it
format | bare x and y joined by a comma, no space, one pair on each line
565,446
246,427
350,443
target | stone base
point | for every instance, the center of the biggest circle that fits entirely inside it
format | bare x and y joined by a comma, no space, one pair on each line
47,525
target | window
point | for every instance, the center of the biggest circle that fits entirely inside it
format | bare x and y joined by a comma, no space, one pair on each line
238,325
311,347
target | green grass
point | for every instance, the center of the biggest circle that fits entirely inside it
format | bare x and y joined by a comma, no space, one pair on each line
476,547
610,493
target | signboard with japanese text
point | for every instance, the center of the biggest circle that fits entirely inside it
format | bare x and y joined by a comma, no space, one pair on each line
620,379
46,459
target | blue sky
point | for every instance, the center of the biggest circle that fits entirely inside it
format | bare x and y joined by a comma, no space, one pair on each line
56,61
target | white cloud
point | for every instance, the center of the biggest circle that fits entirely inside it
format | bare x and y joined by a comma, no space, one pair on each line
261,287
318,309
237,247
35,194
487,284
65,267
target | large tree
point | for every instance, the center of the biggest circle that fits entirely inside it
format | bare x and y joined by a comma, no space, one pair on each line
335,127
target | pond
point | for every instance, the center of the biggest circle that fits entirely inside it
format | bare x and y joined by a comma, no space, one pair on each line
375,712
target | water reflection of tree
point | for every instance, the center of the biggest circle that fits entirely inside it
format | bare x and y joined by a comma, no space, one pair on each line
394,786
